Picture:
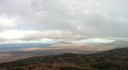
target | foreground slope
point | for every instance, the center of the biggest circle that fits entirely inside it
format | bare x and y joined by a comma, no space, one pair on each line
116,59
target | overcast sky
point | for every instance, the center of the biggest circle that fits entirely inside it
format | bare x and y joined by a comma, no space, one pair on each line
62,19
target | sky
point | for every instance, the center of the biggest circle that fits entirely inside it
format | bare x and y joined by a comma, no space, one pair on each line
35,20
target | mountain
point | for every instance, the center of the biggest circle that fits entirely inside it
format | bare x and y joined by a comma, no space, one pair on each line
119,43
114,44
116,59
15,46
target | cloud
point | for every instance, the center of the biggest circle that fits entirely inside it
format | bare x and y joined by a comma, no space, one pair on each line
15,34
7,22
63,19
28,35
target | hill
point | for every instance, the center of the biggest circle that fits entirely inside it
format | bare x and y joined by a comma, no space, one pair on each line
116,59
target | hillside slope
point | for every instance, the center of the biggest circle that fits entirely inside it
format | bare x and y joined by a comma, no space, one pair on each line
116,59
